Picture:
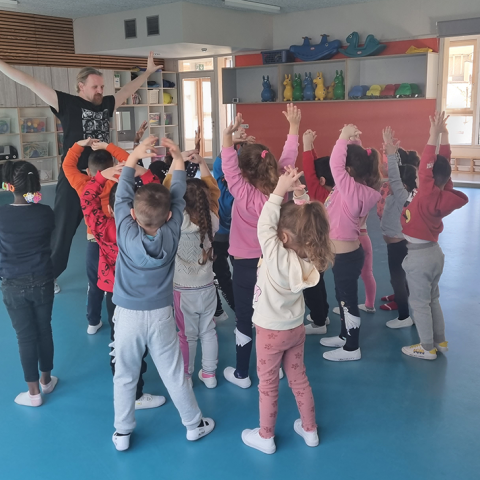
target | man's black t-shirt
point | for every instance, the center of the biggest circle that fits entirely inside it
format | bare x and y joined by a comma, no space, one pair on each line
82,119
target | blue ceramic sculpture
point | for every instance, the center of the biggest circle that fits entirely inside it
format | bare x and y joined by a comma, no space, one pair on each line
268,95
323,51
308,91
372,46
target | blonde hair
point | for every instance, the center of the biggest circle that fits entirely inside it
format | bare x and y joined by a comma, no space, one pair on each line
84,73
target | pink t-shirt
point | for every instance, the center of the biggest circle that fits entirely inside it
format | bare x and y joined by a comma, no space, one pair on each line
249,201
349,200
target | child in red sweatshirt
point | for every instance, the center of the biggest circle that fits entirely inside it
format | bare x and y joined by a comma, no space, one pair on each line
422,224
104,230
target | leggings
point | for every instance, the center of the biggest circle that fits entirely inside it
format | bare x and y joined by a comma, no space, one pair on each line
367,270
316,301
396,253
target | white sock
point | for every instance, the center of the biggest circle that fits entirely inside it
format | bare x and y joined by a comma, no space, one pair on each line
28,400
50,386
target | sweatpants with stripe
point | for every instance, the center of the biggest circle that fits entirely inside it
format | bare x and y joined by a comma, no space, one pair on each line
155,329
194,311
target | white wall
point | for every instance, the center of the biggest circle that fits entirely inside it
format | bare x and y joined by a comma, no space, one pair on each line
386,19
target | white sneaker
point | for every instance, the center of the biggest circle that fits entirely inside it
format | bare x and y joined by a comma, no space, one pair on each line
221,318
363,307
417,351
341,355
210,382
327,320
229,374
442,347
56,287
280,373
199,432
336,310
396,323
122,442
312,329
149,401
332,342
253,439
311,438
93,329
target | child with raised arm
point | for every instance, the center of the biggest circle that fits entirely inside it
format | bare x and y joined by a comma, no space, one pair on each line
295,243
251,177
422,224
148,231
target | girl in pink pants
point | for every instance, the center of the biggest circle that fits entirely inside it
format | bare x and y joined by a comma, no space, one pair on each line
294,238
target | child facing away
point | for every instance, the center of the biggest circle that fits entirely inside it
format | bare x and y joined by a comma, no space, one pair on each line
422,224
148,231
251,177
26,270
402,184
295,245
357,178
319,181
104,230
194,293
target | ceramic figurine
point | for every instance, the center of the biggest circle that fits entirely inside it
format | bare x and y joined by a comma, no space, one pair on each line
308,92
288,92
268,95
297,88
320,91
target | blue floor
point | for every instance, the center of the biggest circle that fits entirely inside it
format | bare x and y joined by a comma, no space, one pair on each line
386,417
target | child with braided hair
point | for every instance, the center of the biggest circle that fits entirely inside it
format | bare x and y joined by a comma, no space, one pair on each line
26,270
194,292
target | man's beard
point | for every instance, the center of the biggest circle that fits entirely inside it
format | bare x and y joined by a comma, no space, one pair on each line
97,99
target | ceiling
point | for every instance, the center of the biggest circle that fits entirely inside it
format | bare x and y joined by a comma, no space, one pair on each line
89,8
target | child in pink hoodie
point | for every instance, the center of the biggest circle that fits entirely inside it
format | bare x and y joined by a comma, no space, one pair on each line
251,177
357,179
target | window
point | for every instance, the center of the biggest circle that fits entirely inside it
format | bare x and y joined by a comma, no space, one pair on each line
460,95
131,28
153,26
195,65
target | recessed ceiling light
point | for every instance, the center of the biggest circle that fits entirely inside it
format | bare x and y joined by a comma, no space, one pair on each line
246,5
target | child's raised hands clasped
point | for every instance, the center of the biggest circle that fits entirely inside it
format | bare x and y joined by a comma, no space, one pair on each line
308,138
438,123
289,182
390,143
88,142
113,173
350,132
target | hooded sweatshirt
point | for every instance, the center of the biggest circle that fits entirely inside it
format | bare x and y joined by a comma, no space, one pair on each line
145,266
278,300
349,200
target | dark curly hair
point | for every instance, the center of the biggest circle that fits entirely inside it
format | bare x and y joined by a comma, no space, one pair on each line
408,174
442,171
409,157
262,173
22,175
364,168
197,198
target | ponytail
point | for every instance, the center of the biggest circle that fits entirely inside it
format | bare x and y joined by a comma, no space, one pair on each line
22,178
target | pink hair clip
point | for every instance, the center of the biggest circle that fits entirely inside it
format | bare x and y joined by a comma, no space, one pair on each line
369,151
264,153
32,197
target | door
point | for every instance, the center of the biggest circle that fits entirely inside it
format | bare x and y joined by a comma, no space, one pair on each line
198,108
125,119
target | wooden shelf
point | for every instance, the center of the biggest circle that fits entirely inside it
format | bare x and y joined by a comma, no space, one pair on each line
170,125
319,102
8,134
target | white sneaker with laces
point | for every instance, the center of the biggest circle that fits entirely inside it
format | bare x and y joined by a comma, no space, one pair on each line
442,347
210,382
253,439
396,323
121,442
327,320
417,351
332,342
149,401
201,431
311,438
363,307
229,374
221,318
93,329
56,287
312,329
341,355
336,310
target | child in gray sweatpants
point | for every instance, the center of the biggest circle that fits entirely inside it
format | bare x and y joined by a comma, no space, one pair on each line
422,224
147,238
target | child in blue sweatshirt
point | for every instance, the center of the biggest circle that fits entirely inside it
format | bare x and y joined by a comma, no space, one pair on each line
148,231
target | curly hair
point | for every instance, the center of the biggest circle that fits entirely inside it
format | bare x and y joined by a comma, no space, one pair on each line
197,198
409,157
408,174
262,173
308,223
364,167
22,175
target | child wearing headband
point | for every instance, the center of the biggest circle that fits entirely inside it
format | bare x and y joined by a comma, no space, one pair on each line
252,176
26,270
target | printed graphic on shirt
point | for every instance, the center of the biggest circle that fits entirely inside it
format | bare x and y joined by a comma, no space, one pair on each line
257,294
96,125
329,198
407,215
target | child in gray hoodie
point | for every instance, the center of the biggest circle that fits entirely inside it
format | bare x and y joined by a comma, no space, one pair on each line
148,232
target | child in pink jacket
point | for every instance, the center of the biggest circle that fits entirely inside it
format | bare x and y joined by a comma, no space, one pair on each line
251,177
357,178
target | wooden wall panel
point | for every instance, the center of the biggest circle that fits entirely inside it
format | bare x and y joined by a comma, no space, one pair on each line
27,39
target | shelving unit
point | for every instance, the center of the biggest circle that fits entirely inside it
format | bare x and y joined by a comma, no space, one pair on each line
245,83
